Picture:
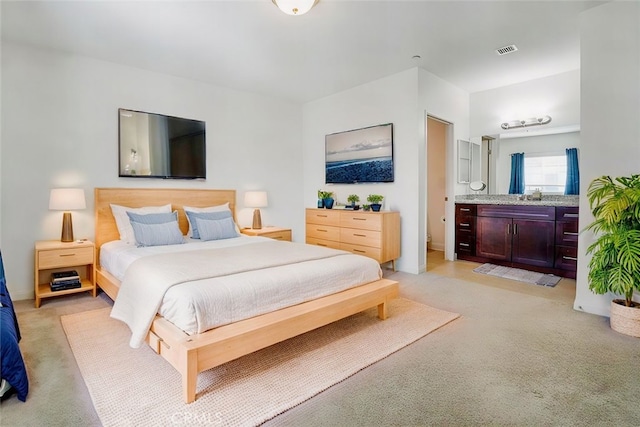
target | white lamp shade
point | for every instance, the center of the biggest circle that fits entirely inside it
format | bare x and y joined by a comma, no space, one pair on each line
67,199
255,199
295,7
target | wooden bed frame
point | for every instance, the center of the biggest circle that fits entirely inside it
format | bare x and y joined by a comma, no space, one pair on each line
192,354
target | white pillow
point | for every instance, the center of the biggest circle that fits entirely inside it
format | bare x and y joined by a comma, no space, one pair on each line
122,219
217,208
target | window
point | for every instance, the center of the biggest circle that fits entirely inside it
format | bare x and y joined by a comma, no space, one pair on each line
548,173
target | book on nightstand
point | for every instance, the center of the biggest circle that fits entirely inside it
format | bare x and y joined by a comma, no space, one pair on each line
63,280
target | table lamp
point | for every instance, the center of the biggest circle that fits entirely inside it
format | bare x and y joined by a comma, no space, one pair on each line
256,199
66,199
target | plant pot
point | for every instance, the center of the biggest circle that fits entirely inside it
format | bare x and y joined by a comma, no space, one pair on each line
376,207
328,203
625,320
320,203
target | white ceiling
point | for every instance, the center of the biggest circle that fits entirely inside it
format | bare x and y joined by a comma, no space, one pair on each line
250,45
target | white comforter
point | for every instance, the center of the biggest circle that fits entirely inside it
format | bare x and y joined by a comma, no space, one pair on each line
199,290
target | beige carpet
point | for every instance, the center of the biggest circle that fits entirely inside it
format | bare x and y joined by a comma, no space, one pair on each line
136,387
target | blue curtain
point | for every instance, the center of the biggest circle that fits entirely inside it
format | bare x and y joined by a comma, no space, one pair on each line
517,174
573,172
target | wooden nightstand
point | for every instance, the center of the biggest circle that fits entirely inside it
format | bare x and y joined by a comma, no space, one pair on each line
53,255
271,232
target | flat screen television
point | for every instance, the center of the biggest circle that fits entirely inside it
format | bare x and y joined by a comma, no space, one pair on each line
158,146
360,155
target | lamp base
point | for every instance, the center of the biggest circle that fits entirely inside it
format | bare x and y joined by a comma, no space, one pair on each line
67,228
257,220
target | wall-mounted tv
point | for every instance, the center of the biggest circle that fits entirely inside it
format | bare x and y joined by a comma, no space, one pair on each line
158,146
360,155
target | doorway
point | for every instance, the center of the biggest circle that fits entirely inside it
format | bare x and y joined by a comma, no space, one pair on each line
437,136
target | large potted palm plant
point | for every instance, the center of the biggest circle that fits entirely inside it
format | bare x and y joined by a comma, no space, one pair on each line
615,263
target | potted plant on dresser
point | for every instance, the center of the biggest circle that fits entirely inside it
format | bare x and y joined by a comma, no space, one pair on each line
374,200
353,199
615,263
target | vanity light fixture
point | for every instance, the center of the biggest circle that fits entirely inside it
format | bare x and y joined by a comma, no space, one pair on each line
295,7
526,123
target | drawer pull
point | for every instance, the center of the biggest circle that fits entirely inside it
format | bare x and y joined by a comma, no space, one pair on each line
322,216
570,215
321,230
570,258
67,254
358,250
465,224
569,233
359,219
508,228
466,245
465,210
360,235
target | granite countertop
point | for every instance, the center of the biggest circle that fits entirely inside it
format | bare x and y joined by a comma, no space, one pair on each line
514,199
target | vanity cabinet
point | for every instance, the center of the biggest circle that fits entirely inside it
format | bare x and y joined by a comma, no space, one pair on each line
567,239
520,234
541,238
466,229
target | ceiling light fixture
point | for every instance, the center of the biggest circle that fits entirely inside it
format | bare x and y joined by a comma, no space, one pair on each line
295,7
526,123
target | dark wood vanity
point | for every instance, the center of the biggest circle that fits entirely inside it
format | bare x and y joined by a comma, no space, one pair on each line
538,238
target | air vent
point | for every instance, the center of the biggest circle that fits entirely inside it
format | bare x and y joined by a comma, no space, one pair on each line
506,49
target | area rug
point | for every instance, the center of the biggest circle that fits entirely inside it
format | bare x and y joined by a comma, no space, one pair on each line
518,274
136,387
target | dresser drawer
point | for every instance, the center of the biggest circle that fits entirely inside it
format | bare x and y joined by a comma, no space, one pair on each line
364,221
65,257
566,258
323,217
374,253
324,243
361,237
324,232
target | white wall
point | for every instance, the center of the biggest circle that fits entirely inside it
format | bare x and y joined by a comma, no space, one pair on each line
557,96
59,129
439,98
610,108
543,144
403,99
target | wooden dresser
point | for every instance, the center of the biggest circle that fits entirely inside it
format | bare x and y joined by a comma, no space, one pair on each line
373,234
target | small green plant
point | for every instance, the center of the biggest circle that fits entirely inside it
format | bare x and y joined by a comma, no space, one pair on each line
374,199
353,199
615,264
366,207
324,194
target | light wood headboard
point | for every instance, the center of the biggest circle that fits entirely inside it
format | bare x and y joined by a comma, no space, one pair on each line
106,229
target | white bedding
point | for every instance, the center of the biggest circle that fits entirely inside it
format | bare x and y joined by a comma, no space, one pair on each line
197,306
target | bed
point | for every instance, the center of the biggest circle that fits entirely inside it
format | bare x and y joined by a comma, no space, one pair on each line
13,372
191,353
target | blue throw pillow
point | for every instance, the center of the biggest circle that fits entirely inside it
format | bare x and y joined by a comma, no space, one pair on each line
216,229
157,229
153,218
194,216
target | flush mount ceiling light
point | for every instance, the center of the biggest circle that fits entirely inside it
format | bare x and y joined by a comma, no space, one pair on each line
295,7
526,123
